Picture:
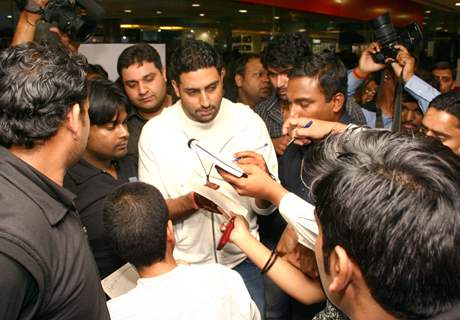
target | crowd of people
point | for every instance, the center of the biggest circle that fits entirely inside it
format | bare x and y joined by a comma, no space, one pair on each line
350,187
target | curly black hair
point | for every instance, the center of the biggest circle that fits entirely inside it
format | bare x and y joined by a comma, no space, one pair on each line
38,85
194,55
286,50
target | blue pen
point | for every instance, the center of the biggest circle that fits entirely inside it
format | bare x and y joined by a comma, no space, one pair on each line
256,149
307,125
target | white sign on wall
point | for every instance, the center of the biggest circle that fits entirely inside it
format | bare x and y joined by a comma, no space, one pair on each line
106,54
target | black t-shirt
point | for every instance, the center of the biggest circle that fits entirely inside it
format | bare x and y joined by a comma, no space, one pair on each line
48,271
91,185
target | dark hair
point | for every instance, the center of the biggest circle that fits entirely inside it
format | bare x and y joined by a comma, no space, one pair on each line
135,217
448,102
392,201
105,101
38,85
239,67
192,56
443,65
138,53
328,69
97,70
286,50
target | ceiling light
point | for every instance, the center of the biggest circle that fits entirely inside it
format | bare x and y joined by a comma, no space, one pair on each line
159,12
9,16
192,31
428,11
201,14
243,11
457,4
159,29
128,11
276,17
438,28
196,5
302,30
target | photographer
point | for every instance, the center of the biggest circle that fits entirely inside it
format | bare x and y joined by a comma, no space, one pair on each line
70,22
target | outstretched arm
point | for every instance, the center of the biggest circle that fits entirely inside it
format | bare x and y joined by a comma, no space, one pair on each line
286,276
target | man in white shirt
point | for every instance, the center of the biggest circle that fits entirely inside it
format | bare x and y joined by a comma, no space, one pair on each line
167,162
136,218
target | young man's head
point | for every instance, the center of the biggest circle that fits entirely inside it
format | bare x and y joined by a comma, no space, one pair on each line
318,87
411,114
251,79
42,92
387,206
136,220
442,120
444,73
281,55
108,137
143,78
197,78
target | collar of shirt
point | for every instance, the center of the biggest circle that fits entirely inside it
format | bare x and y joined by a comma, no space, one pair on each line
54,200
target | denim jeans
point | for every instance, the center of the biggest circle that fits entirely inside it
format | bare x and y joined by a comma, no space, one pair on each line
254,282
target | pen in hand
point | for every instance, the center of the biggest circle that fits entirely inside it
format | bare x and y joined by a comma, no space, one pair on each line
256,149
307,125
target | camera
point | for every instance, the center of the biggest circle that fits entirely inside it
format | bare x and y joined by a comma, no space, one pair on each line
385,34
77,18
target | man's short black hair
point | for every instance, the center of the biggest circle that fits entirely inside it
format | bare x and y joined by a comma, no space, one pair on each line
97,70
448,102
192,56
286,50
135,219
106,99
328,69
38,85
392,201
239,66
441,65
138,54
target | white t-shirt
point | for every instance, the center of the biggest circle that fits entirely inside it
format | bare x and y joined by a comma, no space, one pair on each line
167,162
187,292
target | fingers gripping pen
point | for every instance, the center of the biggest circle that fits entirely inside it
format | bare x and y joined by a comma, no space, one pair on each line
226,235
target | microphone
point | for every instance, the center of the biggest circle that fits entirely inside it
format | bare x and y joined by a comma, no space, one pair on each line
191,143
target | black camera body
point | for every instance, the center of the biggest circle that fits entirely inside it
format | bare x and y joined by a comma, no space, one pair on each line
77,18
385,34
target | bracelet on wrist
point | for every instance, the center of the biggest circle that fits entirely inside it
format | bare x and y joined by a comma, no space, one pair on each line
270,262
192,198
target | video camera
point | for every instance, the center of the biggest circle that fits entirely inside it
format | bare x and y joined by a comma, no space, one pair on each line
385,34
77,18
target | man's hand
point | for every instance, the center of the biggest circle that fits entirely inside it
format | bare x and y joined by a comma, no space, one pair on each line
366,64
204,203
281,144
255,183
404,59
296,254
317,131
251,157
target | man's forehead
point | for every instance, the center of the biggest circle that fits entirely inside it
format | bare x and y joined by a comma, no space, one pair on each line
200,78
440,120
443,71
139,69
279,70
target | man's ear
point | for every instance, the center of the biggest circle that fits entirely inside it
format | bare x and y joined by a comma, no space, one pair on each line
338,101
163,73
73,121
238,80
176,87
170,233
223,72
340,268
